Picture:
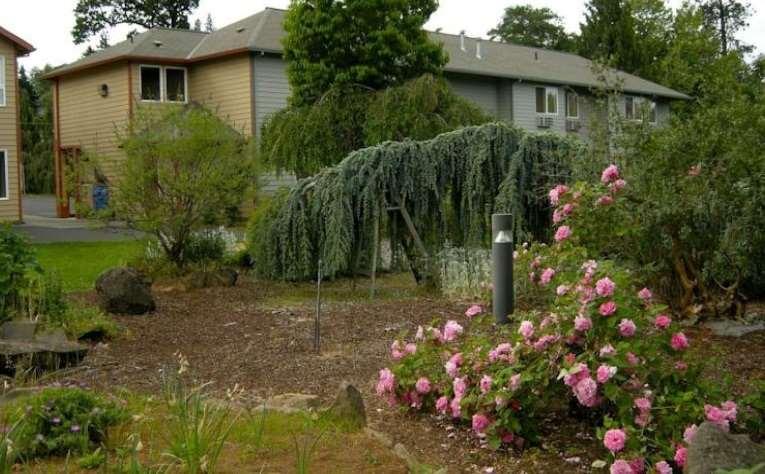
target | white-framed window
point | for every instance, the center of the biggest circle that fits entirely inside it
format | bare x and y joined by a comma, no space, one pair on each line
547,100
639,108
3,87
3,175
572,105
163,83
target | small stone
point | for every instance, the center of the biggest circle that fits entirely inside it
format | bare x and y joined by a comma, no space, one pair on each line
349,406
713,449
292,402
125,291
729,328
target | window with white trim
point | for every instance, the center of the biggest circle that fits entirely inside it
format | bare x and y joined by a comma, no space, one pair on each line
163,84
572,105
547,100
3,175
2,82
639,108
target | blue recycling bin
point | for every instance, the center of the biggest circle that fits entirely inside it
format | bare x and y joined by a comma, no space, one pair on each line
100,197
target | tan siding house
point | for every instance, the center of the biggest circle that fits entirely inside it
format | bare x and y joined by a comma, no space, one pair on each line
11,47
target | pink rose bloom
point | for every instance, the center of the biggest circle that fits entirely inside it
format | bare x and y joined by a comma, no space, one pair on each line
544,342
604,200
720,416
474,310
605,287
480,423
681,456
576,374
420,335
410,348
561,290
556,192
607,309
526,329
563,233
547,276
679,341
456,358
452,330
645,294
557,216
451,368
422,386
638,465
627,328
582,323
610,174
515,382
663,468
605,372
485,384
586,391
607,351
632,359
442,404
396,351
662,321
587,294
618,185
501,352
436,335
460,387
455,407
386,382
730,409
680,365
568,209
537,262
643,404
614,440
589,267
620,466
689,433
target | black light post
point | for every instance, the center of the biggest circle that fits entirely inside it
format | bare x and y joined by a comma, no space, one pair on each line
502,266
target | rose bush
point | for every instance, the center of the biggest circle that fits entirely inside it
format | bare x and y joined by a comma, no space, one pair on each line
598,346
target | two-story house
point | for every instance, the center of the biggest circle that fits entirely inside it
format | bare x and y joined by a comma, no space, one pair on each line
11,48
239,71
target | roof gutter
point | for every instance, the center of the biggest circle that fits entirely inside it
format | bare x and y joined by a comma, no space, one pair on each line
23,47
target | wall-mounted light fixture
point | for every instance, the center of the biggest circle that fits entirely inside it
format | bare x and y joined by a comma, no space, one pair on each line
103,90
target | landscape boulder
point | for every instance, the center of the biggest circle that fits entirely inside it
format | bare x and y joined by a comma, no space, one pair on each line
348,406
125,291
713,449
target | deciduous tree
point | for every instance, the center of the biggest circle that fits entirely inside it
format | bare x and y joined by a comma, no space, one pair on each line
727,17
529,26
608,34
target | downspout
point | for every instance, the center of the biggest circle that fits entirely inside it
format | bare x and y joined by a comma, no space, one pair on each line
19,142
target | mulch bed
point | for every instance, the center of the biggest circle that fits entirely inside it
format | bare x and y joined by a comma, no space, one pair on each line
236,336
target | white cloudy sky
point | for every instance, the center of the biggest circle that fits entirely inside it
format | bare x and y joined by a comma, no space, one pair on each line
47,23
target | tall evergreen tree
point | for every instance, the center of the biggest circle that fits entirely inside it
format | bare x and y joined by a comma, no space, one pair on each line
529,26
370,43
727,17
653,29
37,131
608,34
209,25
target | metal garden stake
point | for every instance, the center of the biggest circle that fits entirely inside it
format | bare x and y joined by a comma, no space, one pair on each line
502,266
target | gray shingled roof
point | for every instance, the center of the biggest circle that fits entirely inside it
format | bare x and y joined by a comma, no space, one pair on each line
263,32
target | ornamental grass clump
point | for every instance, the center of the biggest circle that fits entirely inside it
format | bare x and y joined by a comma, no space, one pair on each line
598,347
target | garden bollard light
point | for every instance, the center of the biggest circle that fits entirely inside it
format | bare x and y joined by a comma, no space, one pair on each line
502,266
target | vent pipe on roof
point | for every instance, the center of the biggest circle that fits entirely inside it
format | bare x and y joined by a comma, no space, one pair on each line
462,41
478,52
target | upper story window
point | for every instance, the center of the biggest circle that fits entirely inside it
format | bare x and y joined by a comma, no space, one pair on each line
547,100
572,105
164,84
639,108
2,82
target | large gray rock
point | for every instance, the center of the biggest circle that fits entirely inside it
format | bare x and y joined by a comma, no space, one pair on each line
349,406
713,449
125,291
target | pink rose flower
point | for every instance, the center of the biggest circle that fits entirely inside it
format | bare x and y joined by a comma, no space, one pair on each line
502,352
663,468
627,328
558,216
474,310
620,466
561,290
556,192
618,185
632,359
589,267
662,321
645,294
515,382
614,440
386,382
451,369
605,287
605,372
485,384
442,404
679,341
422,386
452,330
721,416
605,200
480,423
563,233
689,433
610,174
607,309
681,456
586,391
460,387
582,323
410,348
547,276
568,209
526,329
607,351
455,407
397,351
544,342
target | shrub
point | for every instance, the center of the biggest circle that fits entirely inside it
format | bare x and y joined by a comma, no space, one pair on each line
185,169
17,265
59,421
598,344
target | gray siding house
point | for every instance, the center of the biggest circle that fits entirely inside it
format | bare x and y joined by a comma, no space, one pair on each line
238,70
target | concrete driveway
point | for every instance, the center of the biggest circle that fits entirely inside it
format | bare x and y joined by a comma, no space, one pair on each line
42,226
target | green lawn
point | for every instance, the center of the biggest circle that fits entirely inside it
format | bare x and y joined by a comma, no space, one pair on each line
79,263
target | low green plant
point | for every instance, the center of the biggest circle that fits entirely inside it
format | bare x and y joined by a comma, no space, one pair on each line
17,265
305,445
86,322
8,446
92,460
60,421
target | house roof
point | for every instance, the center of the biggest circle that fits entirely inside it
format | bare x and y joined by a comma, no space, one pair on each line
263,32
23,47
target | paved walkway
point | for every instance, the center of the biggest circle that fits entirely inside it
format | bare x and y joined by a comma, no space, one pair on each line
42,226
